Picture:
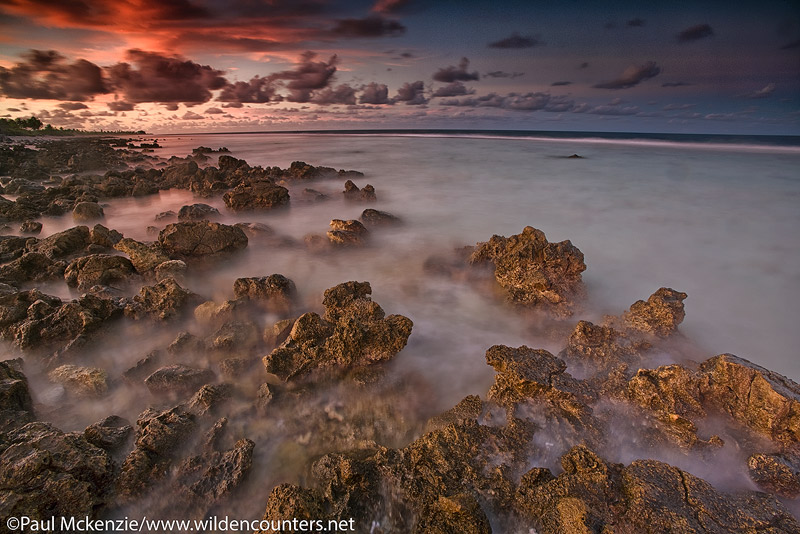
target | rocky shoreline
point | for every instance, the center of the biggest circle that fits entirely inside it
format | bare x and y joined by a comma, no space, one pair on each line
355,440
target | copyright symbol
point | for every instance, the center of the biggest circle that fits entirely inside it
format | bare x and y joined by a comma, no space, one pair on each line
12,523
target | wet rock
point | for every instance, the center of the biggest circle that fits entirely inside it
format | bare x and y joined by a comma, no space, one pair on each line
32,267
165,215
63,243
30,227
171,269
353,193
300,170
776,473
45,472
533,271
83,381
165,300
235,336
374,218
258,195
460,513
209,397
16,405
291,501
761,399
87,211
670,389
100,235
178,380
197,212
144,367
354,333
187,344
275,293
312,195
195,239
209,478
144,256
346,233
277,333
593,347
660,315
235,368
12,247
110,434
95,269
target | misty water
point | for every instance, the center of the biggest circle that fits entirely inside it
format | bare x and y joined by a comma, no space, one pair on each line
719,223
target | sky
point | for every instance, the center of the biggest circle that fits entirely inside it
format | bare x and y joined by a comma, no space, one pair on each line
265,65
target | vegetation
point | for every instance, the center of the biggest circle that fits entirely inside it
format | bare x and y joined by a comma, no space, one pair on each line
34,126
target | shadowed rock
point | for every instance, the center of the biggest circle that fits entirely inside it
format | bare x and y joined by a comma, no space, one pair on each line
353,193
87,211
776,473
110,434
258,195
95,269
32,267
63,243
178,380
144,256
275,293
165,300
16,405
375,218
197,239
197,212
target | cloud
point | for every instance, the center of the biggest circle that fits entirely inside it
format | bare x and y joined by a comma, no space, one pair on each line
47,75
372,26
151,77
390,6
635,23
516,40
342,94
501,74
412,94
233,105
632,76
171,106
453,89
763,92
558,84
307,76
13,109
516,102
191,116
792,45
673,107
374,93
213,111
73,106
675,84
256,91
451,74
694,33
121,105
583,65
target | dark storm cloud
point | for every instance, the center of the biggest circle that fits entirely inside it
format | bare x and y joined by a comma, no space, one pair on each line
307,76
47,75
73,106
632,76
675,84
502,74
342,94
374,93
256,91
412,93
694,33
516,40
121,105
151,77
372,26
635,23
558,84
453,89
452,74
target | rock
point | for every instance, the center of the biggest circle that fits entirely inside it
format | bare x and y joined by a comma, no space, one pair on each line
64,243
197,212
375,218
209,397
460,513
353,193
169,214
100,235
87,211
276,334
235,336
186,343
659,316
595,347
30,227
144,367
165,300
776,473
312,195
533,271
83,381
144,256
222,473
32,267
178,380
196,239
110,434
95,269
47,473
275,293
291,501
258,195
16,405
345,233
354,333
764,401
235,368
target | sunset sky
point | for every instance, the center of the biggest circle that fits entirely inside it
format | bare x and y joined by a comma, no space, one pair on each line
253,65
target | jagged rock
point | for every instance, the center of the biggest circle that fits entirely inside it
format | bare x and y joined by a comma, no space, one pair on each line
660,315
460,513
110,434
84,381
186,343
670,389
45,472
64,243
763,400
215,475
30,227
275,293
163,301
355,332
144,367
87,211
209,397
595,347
197,212
16,405
12,247
235,368
32,267
374,218
169,214
258,195
353,193
100,235
291,501
776,473
193,239
178,380
171,269
235,336
276,334
95,269
533,271
345,233
313,195
144,256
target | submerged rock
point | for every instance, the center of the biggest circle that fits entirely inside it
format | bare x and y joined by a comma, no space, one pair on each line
274,293
375,218
353,193
533,271
87,211
178,380
30,227
198,239
197,212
